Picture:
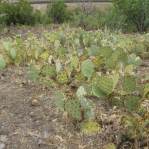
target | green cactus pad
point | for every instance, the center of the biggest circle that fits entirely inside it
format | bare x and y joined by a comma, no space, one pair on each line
73,109
129,84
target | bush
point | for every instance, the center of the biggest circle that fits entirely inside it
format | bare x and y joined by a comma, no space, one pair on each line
41,18
19,13
96,19
91,20
135,11
58,12
115,21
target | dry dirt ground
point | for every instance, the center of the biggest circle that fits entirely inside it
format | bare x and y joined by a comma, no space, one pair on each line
28,125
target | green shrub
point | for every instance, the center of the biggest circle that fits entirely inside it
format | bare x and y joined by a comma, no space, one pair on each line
115,21
99,20
25,13
92,20
58,12
135,11
18,13
41,18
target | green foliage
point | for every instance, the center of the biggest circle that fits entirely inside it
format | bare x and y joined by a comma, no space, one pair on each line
129,84
106,52
60,100
48,71
81,92
135,11
58,12
88,108
87,68
13,54
20,13
33,73
106,84
90,127
131,102
96,91
116,21
134,60
73,108
146,90
135,127
2,62
62,77
93,20
41,17
109,146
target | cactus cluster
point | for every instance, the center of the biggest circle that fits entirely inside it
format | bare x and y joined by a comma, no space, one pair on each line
102,63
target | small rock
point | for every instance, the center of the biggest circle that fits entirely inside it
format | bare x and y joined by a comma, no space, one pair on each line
3,138
35,102
32,114
2,146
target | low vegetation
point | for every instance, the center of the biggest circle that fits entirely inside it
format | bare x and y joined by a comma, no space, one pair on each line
86,61
86,67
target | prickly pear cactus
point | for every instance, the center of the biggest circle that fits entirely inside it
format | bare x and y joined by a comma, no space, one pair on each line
103,85
146,90
96,91
106,84
106,52
62,77
33,72
90,127
79,77
2,62
60,100
73,108
13,53
112,61
87,68
131,102
98,61
74,62
129,84
49,71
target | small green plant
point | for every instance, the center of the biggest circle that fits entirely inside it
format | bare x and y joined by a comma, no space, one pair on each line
33,73
87,68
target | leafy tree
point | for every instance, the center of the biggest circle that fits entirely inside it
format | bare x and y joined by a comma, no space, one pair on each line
136,12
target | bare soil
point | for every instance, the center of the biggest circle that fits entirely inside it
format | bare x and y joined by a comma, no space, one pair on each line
24,125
